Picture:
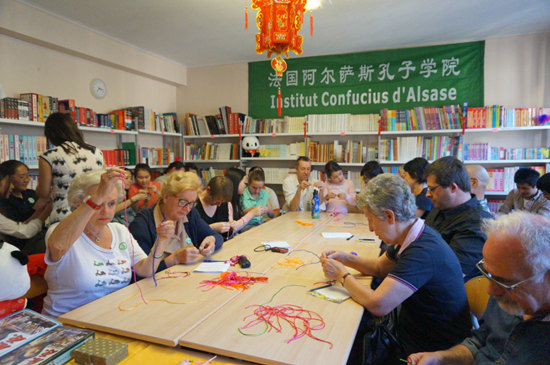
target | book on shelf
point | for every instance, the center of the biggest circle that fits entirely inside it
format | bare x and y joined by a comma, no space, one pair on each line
422,118
337,123
53,347
154,156
32,99
22,327
225,112
498,116
210,151
485,151
429,147
26,149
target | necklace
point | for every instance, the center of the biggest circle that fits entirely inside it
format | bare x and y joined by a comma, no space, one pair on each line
95,238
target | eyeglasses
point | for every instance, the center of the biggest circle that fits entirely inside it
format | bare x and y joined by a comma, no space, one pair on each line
431,189
182,203
499,282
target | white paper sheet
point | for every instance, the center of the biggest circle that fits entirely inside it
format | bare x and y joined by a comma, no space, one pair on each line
213,267
336,234
277,244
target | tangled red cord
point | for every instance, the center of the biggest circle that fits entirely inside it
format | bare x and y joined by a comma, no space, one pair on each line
302,321
232,280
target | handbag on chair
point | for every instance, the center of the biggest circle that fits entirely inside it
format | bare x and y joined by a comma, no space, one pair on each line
381,346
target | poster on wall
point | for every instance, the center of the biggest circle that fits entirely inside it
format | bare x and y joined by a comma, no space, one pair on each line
366,82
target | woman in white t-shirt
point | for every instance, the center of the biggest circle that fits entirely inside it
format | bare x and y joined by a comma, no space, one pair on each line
89,257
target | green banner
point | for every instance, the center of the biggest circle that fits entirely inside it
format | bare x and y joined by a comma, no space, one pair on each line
366,82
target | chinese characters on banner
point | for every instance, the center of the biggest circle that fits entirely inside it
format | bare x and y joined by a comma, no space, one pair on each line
366,82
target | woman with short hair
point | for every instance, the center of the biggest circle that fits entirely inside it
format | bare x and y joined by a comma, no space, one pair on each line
89,257
421,273
192,237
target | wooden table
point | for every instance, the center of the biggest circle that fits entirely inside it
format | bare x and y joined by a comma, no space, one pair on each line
211,319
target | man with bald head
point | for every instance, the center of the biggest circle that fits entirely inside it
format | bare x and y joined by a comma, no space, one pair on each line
515,328
479,179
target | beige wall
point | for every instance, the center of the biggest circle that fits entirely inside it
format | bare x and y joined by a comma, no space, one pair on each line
26,67
211,87
517,70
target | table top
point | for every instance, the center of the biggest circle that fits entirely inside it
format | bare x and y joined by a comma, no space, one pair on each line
211,319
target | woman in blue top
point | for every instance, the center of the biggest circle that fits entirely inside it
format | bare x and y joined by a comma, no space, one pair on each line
421,273
193,236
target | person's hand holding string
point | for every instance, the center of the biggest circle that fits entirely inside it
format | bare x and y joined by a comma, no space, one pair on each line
208,245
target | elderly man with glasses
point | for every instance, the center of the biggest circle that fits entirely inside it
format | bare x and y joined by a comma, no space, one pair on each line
456,214
515,328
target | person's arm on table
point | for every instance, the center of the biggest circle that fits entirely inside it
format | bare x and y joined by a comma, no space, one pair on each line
379,302
456,355
237,225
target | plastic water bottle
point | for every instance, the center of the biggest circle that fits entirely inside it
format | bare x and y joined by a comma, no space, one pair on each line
315,205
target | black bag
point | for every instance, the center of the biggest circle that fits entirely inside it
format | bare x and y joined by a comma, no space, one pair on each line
380,346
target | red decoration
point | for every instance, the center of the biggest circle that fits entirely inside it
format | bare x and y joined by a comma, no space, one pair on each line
279,22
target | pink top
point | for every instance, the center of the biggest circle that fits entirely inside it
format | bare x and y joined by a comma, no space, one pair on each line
337,205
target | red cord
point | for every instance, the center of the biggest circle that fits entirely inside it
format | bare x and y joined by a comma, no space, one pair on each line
231,280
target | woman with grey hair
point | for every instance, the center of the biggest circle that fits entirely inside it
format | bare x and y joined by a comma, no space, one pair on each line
421,273
87,255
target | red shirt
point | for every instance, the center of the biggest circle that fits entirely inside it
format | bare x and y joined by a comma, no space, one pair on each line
152,200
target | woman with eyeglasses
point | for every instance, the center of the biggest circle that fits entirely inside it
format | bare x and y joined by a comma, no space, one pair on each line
192,236
421,274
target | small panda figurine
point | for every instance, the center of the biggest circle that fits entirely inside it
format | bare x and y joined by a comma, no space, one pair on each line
15,279
250,146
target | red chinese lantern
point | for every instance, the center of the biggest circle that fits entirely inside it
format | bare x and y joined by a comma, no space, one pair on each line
279,22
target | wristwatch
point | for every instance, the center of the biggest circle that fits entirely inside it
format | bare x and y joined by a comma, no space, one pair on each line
91,204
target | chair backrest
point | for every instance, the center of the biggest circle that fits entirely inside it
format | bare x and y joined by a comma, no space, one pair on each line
476,291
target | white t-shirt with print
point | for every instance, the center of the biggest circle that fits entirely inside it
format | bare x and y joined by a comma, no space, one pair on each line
88,272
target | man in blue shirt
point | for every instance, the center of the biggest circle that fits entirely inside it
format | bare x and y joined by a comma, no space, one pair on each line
515,328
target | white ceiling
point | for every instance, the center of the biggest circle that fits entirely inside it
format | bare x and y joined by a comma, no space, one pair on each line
211,32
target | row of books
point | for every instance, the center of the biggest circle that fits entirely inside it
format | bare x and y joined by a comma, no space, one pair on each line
26,149
422,118
208,125
336,123
284,125
290,150
36,107
211,151
155,156
429,147
29,107
484,151
348,152
497,116
27,337
502,179
117,157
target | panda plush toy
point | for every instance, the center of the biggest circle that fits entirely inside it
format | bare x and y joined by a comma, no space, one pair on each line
250,146
15,279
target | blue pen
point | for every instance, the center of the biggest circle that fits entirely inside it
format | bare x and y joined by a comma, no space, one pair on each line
213,261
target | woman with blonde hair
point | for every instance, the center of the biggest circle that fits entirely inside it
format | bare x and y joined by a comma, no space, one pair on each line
193,236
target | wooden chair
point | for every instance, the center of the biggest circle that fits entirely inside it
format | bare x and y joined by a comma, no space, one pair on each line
476,291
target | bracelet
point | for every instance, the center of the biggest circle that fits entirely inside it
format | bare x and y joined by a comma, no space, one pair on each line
344,278
159,257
